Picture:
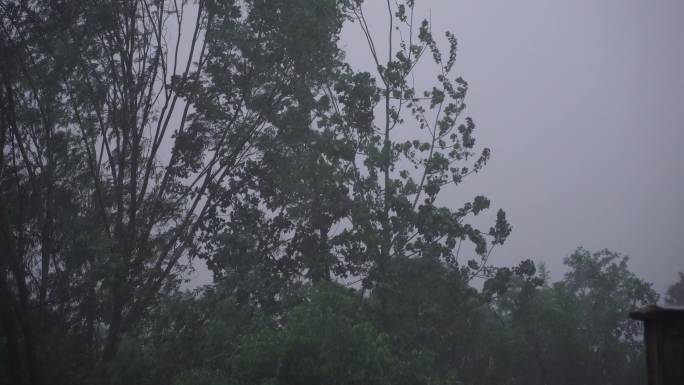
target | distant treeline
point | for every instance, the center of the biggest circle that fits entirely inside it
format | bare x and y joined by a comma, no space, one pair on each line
424,326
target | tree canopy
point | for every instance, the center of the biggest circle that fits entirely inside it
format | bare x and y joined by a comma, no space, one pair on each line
140,138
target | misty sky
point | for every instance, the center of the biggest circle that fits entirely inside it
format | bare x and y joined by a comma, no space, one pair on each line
581,104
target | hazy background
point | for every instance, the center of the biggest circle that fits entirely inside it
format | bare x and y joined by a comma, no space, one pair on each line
581,104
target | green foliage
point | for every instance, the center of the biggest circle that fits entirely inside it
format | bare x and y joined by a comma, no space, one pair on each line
428,310
267,156
424,325
326,339
336,192
577,330
675,293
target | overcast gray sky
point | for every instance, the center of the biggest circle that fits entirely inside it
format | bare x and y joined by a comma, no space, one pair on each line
581,104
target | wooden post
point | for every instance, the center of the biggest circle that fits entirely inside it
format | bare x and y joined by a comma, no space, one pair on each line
664,338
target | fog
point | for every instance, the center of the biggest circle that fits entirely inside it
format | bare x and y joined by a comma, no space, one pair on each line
218,192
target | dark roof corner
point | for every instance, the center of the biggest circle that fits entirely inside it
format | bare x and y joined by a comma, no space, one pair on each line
654,311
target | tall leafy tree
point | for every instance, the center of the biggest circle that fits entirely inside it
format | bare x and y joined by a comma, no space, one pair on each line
275,229
138,135
124,125
399,181
342,195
